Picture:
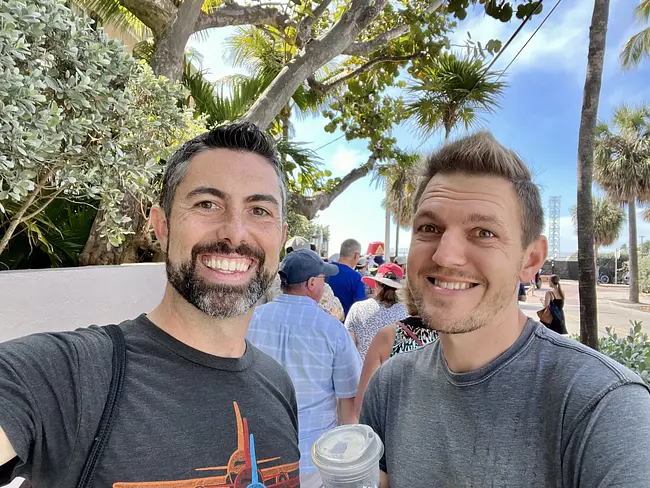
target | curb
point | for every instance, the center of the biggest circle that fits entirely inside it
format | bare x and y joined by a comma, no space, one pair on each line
631,306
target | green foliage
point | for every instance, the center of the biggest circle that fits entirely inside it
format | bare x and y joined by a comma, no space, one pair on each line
609,217
632,351
87,120
638,46
452,91
644,274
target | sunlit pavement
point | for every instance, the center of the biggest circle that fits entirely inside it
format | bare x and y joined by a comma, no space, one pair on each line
613,308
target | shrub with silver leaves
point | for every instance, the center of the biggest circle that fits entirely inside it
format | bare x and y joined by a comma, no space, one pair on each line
81,117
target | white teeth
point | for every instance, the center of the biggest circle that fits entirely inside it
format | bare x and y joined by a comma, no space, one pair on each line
453,285
226,264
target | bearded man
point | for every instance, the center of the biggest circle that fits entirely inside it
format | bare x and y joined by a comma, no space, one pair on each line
199,404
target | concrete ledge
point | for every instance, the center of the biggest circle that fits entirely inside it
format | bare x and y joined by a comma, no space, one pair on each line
59,299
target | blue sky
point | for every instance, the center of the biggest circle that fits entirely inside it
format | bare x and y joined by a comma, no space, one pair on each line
539,115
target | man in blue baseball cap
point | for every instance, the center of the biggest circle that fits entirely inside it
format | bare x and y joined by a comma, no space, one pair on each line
315,349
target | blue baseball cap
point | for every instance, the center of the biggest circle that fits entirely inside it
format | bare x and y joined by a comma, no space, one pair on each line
302,264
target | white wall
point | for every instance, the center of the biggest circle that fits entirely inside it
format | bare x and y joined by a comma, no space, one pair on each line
69,298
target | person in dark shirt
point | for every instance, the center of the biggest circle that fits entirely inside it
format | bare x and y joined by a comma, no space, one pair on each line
347,285
201,406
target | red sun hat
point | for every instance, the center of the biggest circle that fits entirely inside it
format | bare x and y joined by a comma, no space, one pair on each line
394,272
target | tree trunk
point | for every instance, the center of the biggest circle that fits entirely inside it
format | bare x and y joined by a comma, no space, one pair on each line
447,133
19,216
387,228
399,218
584,210
98,250
634,257
596,261
168,56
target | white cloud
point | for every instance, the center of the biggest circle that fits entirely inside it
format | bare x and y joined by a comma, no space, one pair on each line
345,159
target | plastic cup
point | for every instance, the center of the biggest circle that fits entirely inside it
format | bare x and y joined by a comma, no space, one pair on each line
348,457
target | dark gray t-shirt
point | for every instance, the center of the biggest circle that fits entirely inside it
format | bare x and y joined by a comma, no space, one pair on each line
185,419
549,412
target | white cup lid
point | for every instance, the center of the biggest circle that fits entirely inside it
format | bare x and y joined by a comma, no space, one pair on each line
347,449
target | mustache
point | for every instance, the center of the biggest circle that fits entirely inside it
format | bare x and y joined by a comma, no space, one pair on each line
449,273
222,247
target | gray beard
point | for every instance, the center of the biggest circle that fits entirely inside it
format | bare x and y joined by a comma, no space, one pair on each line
216,300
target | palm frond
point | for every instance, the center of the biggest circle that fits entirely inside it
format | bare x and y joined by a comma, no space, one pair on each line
635,49
111,12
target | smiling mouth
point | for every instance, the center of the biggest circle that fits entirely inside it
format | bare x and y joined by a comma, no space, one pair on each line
451,285
227,265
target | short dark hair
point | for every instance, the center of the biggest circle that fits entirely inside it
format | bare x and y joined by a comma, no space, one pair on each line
480,154
386,295
238,136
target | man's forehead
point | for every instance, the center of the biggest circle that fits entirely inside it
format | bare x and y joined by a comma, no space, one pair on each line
232,171
474,194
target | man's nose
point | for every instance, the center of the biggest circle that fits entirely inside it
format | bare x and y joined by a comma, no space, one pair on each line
450,252
233,229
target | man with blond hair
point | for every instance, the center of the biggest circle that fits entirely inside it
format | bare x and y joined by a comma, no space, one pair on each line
498,400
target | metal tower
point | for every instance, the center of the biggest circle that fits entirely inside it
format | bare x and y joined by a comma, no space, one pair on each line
554,227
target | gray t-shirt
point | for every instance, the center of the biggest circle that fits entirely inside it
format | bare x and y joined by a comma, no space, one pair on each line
549,412
185,419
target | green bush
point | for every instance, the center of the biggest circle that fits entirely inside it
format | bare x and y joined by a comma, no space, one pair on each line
644,274
81,118
632,351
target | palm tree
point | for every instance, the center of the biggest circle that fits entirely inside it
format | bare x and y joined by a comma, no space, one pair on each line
399,178
586,136
639,44
452,91
608,220
622,169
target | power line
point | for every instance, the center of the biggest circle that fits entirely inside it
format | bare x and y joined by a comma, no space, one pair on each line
501,51
331,142
529,39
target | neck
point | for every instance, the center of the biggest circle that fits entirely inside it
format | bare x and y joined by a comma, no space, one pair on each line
348,262
473,350
222,337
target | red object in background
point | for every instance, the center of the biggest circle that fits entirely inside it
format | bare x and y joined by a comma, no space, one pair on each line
375,248
383,269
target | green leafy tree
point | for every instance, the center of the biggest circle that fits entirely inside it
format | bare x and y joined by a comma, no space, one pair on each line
638,46
84,124
452,91
622,169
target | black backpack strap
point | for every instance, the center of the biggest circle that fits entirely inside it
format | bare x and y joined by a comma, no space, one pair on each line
110,409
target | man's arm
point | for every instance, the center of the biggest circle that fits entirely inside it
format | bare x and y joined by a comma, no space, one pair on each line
359,292
378,352
346,412
7,452
383,480
610,446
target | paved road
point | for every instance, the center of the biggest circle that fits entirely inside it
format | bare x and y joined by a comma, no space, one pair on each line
613,308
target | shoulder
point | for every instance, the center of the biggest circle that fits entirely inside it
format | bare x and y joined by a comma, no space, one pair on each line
584,375
269,367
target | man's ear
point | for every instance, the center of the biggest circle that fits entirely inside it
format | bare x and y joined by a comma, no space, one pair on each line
160,225
534,258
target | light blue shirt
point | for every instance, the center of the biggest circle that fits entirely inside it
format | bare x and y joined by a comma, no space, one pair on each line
320,357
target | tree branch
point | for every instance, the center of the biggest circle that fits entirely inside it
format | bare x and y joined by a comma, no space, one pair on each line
155,14
44,206
328,87
304,29
314,55
232,14
368,47
309,206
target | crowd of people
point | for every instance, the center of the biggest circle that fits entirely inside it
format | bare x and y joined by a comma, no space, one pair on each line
245,362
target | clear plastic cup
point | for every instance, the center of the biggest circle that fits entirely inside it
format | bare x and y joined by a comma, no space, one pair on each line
348,457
